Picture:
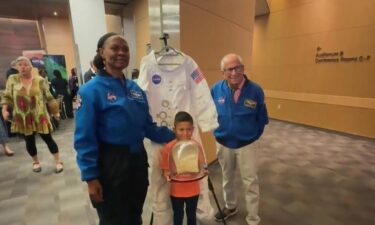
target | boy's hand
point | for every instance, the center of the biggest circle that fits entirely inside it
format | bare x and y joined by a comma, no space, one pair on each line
167,176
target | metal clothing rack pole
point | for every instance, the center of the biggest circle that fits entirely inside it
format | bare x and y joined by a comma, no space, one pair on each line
161,3
211,187
152,218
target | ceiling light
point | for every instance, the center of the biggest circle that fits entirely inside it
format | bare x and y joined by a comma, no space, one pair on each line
55,13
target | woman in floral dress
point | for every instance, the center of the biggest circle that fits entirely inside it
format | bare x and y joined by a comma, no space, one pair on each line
27,94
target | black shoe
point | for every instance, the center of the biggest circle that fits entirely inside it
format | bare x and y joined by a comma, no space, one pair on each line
226,214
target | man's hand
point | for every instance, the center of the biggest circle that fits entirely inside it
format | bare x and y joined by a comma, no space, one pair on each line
95,190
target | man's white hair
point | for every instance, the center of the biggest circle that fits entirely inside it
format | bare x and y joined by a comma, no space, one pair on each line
224,59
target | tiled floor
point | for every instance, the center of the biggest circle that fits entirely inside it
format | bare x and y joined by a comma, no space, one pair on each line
307,177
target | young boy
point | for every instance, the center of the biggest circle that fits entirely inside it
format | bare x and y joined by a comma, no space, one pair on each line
182,193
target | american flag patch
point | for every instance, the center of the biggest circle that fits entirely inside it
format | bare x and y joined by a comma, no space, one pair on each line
197,75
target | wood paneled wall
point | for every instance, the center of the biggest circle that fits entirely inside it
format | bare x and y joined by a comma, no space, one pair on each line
16,36
209,30
332,95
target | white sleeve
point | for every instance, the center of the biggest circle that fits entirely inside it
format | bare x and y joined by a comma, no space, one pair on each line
204,107
143,75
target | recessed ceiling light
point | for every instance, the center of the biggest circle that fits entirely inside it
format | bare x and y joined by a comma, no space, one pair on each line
55,13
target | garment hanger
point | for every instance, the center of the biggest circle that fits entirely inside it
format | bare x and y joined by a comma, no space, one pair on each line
168,55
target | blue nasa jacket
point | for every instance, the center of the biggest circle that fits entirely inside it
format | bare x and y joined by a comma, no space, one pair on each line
115,112
243,122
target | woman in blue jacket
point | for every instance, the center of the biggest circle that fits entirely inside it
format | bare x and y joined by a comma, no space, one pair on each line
111,122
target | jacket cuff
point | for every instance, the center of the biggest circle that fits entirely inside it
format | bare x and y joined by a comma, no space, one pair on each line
89,174
209,126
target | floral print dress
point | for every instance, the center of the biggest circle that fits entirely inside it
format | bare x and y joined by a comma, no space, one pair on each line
30,113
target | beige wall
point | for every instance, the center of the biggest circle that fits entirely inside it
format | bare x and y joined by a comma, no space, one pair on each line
58,38
113,23
338,96
142,31
209,30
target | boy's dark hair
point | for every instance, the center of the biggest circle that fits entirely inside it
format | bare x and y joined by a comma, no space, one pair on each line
183,117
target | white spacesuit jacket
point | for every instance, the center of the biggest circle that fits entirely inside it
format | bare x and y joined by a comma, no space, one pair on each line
171,89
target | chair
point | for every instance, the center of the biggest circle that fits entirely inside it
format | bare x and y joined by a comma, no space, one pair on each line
62,110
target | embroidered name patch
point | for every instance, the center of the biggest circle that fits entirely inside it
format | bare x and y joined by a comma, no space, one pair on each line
136,94
250,103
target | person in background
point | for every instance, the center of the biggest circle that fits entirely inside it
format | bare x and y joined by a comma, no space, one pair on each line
12,69
60,86
43,73
4,138
73,83
27,95
183,194
242,118
90,73
111,122
135,75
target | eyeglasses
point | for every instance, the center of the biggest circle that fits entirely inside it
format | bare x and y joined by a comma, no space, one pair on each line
237,69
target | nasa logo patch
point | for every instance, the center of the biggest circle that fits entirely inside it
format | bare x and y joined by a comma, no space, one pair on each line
156,79
111,97
221,100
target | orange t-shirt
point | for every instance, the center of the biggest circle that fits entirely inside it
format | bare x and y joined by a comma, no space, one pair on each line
178,189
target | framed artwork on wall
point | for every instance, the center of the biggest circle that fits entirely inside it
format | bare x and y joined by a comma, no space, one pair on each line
55,62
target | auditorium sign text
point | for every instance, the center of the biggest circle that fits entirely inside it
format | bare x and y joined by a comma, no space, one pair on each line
337,57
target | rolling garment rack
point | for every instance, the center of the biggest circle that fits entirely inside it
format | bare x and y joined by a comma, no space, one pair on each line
168,52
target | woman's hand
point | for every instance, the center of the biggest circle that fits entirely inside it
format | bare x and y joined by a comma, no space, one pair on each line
95,190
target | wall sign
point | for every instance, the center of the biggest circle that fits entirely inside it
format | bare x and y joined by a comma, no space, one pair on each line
337,57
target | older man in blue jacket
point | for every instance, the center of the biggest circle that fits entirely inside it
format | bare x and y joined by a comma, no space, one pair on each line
242,118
